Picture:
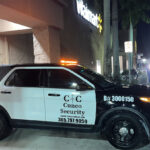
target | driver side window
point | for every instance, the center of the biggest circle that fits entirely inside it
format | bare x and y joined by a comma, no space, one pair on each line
59,78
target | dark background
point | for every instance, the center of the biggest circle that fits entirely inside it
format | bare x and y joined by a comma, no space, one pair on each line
143,39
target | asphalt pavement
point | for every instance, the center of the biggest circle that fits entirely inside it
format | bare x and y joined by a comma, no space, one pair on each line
35,139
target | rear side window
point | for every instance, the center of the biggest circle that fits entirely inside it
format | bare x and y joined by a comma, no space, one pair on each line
24,78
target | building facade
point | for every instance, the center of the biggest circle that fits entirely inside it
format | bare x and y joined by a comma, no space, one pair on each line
47,31
51,30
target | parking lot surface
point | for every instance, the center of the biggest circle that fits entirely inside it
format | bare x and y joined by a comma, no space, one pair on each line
35,139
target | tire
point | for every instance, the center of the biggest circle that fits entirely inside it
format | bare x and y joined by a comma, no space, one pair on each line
5,128
125,131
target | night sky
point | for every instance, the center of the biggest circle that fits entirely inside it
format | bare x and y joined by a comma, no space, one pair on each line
143,39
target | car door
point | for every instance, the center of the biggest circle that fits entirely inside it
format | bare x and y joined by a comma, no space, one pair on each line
22,96
64,103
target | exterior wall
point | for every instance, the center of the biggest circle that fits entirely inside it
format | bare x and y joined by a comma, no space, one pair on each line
41,45
20,49
32,12
46,45
35,14
80,40
4,56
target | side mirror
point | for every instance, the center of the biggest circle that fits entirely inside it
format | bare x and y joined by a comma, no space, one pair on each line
83,87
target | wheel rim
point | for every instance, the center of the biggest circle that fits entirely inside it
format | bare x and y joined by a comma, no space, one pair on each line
123,133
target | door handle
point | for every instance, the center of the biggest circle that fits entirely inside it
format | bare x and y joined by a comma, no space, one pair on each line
6,92
50,94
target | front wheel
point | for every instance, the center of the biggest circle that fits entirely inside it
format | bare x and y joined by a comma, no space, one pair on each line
124,131
5,128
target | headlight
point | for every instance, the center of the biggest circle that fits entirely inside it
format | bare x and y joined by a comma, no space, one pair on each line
145,99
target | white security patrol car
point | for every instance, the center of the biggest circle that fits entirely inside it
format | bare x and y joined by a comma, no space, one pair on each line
73,97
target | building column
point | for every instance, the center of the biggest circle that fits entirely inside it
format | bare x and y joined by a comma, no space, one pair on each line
4,52
46,43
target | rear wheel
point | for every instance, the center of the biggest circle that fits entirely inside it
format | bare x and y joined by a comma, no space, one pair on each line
5,128
125,131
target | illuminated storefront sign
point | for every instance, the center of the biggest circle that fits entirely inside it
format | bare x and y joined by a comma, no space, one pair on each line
94,19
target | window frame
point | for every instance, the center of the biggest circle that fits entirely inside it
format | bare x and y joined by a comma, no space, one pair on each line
42,68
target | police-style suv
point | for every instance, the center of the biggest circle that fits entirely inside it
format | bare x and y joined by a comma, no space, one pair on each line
73,97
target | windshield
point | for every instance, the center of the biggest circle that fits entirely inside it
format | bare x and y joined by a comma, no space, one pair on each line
94,77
